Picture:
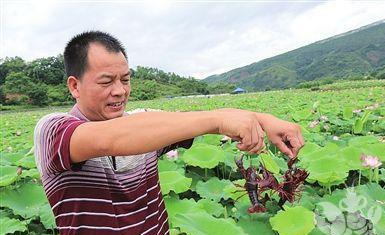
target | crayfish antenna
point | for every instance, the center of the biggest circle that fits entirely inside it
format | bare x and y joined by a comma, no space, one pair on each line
240,197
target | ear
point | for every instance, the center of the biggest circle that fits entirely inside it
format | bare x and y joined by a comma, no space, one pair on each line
73,85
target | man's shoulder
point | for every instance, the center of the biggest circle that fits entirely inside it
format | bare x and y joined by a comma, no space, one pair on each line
53,119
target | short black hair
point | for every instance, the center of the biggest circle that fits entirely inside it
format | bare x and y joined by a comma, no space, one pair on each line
76,50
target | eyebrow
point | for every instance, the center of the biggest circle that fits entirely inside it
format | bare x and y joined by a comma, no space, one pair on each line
127,74
106,75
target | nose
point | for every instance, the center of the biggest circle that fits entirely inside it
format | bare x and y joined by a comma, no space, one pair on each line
118,89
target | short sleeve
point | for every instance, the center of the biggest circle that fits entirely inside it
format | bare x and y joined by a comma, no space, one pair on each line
182,144
51,140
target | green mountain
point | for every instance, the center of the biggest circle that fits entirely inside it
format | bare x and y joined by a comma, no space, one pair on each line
351,54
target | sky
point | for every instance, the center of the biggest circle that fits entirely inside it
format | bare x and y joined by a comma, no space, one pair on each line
190,38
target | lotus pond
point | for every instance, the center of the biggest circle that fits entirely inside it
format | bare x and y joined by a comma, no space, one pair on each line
344,129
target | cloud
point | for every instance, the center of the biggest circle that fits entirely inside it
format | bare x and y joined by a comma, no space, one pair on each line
191,39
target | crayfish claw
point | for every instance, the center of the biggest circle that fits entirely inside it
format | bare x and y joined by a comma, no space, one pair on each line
291,162
256,209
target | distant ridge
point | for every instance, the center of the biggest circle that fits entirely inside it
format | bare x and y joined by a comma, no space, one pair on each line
350,54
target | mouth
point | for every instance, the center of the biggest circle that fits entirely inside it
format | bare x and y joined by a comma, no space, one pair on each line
116,105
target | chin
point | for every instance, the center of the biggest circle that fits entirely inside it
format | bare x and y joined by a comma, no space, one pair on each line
116,115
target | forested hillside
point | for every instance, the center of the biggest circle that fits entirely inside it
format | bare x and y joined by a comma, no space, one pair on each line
350,55
43,82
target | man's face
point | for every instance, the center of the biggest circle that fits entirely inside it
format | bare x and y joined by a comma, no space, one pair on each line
105,86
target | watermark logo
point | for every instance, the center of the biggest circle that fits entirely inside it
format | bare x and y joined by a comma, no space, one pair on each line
353,215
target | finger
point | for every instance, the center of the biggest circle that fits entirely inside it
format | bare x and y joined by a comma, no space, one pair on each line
255,136
295,144
257,149
284,149
245,141
301,139
261,142
257,146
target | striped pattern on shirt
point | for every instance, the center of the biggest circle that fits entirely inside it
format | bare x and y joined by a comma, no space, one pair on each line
90,197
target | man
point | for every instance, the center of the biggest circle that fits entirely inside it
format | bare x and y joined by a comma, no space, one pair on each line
90,188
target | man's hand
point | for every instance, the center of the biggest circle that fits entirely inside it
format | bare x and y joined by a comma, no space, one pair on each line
249,129
285,135
242,126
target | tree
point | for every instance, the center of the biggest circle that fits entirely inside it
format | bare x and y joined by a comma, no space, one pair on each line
17,82
47,70
2,95
10,64
37,94
381,75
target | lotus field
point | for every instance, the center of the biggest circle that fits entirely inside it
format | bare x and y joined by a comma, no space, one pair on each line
344,128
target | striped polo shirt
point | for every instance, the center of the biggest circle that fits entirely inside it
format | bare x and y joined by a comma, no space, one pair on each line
102,195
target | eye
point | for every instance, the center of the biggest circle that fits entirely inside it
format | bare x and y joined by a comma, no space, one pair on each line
105,82
125,81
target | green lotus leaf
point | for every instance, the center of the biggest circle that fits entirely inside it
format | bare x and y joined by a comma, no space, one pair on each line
300,115
167,165
322,153
47,217
360,140
373,191
328,178
317,231
269,163
8,175
195,177
254,226
203,224
242,205
295,220
10,158
308,148
198,174
25,200
211,207
212,139
27,162
174,231
175,206
376,149
351,155
203,155
235,190
8,225
5,212
229,159
328,171
33,173
212,189
314,137
347,113
175,181
281,162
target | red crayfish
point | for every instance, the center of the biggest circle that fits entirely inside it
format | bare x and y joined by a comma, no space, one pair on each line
257,184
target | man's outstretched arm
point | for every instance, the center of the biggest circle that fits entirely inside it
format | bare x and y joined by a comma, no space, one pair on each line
146,132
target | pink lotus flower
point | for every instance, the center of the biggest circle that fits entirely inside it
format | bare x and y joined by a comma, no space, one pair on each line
370,161
172,155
